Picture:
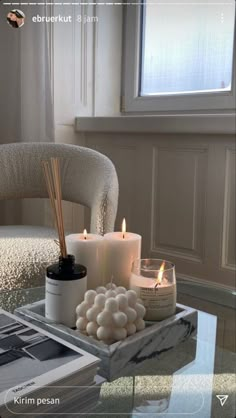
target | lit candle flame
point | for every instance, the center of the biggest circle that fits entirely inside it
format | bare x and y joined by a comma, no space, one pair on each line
160,274
85,233
124,227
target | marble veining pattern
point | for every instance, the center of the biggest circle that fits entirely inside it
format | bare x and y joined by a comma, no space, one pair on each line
120,358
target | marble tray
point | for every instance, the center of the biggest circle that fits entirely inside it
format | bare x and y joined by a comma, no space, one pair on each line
120,358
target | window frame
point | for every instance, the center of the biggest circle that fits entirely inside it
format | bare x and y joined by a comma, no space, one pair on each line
188,103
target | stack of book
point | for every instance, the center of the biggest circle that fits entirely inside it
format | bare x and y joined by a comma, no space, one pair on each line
42,374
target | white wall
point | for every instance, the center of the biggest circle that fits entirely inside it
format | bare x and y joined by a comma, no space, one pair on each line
176,190
83,83
69,77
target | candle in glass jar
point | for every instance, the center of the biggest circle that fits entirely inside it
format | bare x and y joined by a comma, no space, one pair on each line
121,249
154,282
88,250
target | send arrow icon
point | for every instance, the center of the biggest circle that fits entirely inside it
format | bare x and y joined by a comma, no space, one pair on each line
222,399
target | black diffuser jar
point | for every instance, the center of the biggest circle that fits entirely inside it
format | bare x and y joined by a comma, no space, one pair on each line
66,284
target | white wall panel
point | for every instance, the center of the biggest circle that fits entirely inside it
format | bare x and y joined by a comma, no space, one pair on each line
124,158
229,231
179,195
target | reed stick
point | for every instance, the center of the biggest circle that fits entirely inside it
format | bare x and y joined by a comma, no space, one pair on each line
53,183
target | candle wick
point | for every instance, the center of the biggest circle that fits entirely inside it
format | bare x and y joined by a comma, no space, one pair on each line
123,235
85,238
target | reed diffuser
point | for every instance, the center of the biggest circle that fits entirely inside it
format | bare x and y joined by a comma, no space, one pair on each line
66,282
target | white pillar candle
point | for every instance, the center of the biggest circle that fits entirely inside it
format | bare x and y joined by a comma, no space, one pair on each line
156,287
88,250
121,249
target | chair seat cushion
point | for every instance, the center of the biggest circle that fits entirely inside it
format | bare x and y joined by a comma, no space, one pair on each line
25,252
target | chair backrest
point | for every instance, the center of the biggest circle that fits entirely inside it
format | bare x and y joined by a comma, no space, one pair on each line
88,178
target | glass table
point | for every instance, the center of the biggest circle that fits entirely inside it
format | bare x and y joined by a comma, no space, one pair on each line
184,382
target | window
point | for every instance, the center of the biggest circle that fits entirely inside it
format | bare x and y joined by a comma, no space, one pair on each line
179,56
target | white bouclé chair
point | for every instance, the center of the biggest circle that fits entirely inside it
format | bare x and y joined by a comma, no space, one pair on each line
88,178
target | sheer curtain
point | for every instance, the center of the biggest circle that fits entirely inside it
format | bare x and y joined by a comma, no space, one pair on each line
26,108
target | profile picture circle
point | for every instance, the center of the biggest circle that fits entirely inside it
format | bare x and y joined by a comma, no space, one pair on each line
16,18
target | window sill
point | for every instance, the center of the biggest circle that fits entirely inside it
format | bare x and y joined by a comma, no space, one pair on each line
208,124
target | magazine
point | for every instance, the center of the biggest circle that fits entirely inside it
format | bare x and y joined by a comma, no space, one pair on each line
34,362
